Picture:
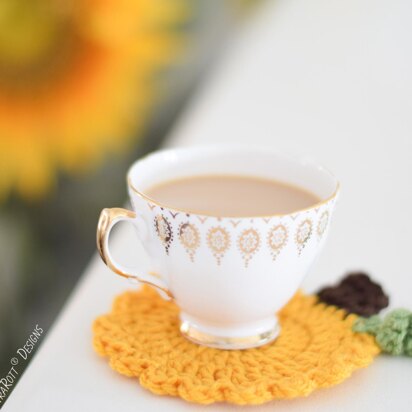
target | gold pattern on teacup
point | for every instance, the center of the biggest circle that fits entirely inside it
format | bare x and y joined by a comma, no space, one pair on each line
277,239
234,222
173,214
303,234
322,224
218,240
190,238
202,219
248,243
164,231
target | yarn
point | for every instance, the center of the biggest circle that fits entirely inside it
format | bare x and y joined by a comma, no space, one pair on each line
356,293
316,349
393,334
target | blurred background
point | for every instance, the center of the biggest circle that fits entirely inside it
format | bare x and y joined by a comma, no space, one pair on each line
86,87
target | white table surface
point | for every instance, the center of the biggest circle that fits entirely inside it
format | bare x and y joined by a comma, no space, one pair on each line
326,78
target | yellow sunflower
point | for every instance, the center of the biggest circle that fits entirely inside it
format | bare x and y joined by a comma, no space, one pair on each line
75,82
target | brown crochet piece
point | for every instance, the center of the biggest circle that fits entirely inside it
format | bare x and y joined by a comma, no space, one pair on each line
356,293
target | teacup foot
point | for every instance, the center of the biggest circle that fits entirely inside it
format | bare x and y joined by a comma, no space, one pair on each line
232,338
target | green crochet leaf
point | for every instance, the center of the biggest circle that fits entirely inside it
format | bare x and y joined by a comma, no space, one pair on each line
393,333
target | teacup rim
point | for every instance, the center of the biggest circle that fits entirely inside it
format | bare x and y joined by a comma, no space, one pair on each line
302,160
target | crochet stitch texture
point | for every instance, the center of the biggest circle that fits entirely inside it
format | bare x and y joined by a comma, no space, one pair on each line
393,333
316,349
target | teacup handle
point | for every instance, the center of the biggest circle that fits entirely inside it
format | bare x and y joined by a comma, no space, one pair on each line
108,218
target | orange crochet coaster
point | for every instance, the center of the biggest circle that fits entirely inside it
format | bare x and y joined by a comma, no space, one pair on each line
316,349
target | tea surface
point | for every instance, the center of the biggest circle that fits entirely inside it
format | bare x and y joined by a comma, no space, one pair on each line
231,195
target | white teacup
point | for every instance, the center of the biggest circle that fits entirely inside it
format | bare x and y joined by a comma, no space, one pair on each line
229,276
